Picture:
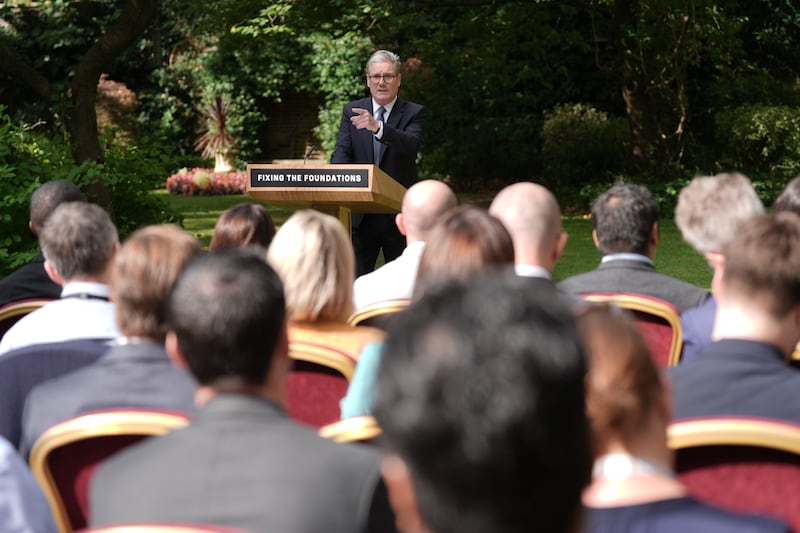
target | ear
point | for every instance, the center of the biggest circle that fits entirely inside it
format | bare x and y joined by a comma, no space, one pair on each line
561,243
174,351
654,237
52,273
399,79
32,228
401,495
595,239
400,223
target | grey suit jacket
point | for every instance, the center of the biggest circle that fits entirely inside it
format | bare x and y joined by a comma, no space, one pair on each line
243,463
130,375
622,275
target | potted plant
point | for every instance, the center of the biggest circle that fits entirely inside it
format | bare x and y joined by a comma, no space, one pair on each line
215,140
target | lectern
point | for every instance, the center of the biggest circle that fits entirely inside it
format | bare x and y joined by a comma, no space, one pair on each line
333,189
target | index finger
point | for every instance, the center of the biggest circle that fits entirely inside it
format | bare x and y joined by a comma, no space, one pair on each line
360,111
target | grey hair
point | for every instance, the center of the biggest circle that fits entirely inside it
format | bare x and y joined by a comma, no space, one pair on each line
386,56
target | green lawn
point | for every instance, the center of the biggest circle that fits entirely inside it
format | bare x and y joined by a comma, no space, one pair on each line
674,256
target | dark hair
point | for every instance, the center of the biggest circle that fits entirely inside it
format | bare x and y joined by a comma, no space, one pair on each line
789,199
480,391
244,224
227,311
47,197
623,218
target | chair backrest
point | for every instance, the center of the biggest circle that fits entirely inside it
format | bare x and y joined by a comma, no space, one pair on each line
317,382
363,429
11,312
741,463
64,458
162,528
658,320
377,314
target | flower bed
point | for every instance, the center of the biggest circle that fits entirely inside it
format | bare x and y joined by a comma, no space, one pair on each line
206,182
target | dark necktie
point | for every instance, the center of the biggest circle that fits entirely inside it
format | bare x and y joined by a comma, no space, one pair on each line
377,146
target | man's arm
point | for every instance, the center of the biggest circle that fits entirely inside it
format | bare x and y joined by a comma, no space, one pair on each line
407,137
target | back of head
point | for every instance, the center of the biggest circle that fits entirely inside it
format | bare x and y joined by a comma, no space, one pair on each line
244,224
79,240
313,256
424,204
789,199
47,197
623,218
466,241
623,387
143,273
480,392
711,209
227,312
761,267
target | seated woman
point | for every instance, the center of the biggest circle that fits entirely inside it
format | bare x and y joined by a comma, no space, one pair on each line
633,488
464,242
244,224
314,258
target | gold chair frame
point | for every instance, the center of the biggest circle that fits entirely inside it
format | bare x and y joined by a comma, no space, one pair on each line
734,431
162,528
383,307
355,429
22,307
323,355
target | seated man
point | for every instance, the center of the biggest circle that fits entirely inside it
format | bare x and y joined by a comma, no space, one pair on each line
424,203
78,241
136,371
480,398
241,462
23,507
31,281
626,233
745,370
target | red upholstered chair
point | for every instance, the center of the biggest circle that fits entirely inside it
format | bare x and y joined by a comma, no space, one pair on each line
317,382
65,456
11,312
162,528
658,320
362,429
741,463
376,314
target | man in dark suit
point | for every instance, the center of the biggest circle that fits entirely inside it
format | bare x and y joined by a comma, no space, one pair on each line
745,371
30,280
136,371
386,131
626,233
241,462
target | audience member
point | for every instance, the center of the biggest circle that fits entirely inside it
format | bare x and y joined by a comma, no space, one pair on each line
78,241
241,462
136,371
23,507
626,234
245,224
789,199
314,258
633,486
710,211
481,403
31,281
424,203
745,370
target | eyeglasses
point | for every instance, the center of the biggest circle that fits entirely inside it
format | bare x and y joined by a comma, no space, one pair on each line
376,78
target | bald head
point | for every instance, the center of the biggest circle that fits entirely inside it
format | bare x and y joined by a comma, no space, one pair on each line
424,203
532,216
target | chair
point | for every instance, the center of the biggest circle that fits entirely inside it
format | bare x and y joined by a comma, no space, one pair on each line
376,314
162,528
317,382
65,456
658,320
746,464
363,429
11,312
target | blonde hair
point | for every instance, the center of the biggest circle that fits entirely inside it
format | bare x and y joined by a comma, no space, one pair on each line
314,258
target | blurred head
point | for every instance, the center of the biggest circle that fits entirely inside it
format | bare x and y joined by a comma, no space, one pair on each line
78,240
424,203
49,196
465,241
245,224
625,218
226,317
383,63
789,199
314,257
532,216
142,275
480,398
711,209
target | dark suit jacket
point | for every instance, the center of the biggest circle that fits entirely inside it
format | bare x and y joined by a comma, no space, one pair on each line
402,135
243,463
22,369
130,375
27,282
736,377
697,324
624,275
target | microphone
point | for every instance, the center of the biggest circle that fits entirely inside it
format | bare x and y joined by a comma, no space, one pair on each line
310,151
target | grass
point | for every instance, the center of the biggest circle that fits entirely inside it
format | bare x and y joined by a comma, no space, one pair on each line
674,256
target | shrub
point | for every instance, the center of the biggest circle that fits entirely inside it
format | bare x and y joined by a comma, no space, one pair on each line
205,182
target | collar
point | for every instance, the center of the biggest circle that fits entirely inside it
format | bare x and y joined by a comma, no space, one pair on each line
74,288
414,248
627,256
388,107
531,271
